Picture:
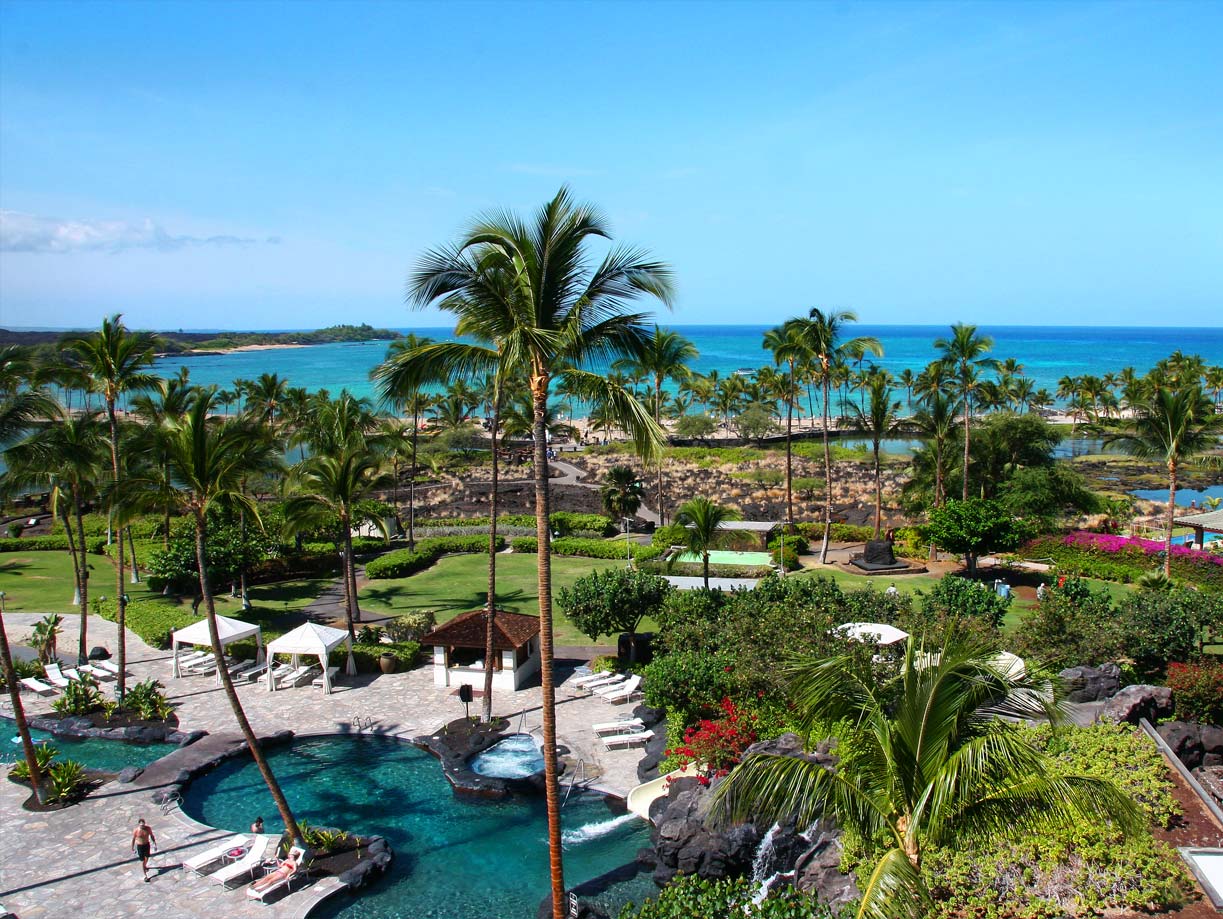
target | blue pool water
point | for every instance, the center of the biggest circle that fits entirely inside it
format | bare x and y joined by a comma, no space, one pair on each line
455,858
93,753
515,757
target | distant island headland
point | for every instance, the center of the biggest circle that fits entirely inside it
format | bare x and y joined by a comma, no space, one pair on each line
188,343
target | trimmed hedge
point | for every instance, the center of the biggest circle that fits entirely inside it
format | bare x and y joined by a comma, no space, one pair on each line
563,522
586,548
361,545
366,655
94,545
404,562
143,527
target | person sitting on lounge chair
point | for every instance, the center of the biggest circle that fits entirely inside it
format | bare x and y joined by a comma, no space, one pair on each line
284,870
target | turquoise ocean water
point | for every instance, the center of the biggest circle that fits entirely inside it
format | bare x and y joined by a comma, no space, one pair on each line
1047,353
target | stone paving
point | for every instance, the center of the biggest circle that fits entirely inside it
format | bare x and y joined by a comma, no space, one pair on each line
78,861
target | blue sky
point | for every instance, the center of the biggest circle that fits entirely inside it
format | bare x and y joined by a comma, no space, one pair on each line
248,165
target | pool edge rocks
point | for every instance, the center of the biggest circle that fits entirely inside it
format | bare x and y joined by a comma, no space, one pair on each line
456,743
80,727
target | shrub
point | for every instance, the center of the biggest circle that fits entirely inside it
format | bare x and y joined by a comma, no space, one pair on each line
784,556
410,626
366,656
562,522
587,548
958,598
66,781
79,697
1072,625
405,562
794,540
605,663
693,897
717,743
23,669
152,620
1167,625
94,545
612,601
689,683
1197,691
1118,558
974,527
321,838
673,534
148,701
43,755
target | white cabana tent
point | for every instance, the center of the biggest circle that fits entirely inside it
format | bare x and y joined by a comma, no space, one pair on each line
228,630
315,640
878,632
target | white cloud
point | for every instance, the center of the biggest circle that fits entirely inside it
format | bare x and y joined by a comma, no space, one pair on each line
30,233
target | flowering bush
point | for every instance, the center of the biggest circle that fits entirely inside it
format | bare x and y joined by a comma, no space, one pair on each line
718,744
1197,691
1126,559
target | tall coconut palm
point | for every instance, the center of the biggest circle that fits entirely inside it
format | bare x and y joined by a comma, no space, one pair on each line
1173,426
210,459
19,719
330,486
907,379
69,453
169,400
789,347
621,492
412,402
265,397
530,285
880,419
117,362
965,354
404,372
936,420
666,356
930,766
822,332
22,402
702,522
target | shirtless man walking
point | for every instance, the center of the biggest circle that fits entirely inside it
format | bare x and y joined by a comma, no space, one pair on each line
143,842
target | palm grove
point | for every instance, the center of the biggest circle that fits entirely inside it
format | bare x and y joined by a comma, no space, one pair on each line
236,476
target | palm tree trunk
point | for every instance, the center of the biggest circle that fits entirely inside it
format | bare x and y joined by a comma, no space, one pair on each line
967,423
131,542
82,571
351,614
231,694
539,396
662,515
486,714
878,494
705,567
412,486
23,729
120,596
1171,516
789,460
827,482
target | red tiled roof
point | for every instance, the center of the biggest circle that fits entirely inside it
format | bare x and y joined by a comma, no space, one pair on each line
510,631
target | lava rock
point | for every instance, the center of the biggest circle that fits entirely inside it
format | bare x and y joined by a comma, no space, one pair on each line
818,870
129,774
1211,779
1139,701
1185,739
685,844
654,753
1212,759
1091,684
98,653
649,716
1212,738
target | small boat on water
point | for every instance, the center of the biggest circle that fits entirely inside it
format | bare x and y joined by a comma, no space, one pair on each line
745,372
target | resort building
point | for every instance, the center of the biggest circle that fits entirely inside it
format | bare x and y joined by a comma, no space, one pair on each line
458,650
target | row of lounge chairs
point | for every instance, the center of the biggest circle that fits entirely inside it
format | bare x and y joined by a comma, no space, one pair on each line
57,679
254,851
615,688
244,671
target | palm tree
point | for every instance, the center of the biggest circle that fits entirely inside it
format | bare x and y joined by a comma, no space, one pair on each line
931,765
881,419
822,331
907,379
23,727
22,402
621,492
1173,426
169,400
69,452
116,361
936,419
789,347
411,401
210,459
964,353
265,397
702,522
529,286
665,357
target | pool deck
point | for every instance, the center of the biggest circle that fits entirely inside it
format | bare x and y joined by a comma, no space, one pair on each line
78,861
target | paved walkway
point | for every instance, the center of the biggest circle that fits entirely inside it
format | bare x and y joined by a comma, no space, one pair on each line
77,862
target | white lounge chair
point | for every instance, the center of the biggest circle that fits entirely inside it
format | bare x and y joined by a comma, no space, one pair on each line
197,863
188,659
108,666
73,674
614,679
624,691
296,856
331,675
238,666
38,686
279,669
583,680
626,740
54,676
611,689
246,671
623,726
246,865
297,677
96,672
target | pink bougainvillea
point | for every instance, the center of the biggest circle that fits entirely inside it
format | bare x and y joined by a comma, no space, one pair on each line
1105,542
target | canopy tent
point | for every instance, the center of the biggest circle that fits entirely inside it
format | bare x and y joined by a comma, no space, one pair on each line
315,640
228,630
878,632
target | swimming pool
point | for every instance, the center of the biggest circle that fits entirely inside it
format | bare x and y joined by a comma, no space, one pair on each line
93,752
515,757
726,557
455,858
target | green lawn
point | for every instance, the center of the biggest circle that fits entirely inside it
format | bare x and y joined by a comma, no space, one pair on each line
459,583
905,583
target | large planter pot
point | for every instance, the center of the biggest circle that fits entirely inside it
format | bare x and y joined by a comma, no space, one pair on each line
388,663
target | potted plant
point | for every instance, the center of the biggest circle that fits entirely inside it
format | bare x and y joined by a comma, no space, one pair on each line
388,662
